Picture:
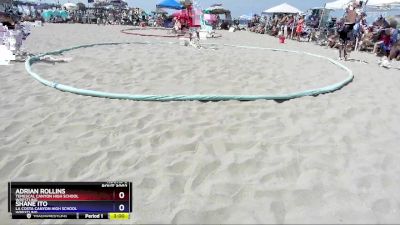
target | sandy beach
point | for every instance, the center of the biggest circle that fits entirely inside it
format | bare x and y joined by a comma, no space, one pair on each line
326,159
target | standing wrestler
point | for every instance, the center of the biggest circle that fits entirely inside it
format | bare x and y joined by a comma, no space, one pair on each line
346,30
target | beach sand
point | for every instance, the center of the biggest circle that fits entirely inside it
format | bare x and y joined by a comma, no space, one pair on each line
326,159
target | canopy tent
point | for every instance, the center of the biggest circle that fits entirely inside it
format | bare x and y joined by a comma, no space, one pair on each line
169,4
338,4
283,8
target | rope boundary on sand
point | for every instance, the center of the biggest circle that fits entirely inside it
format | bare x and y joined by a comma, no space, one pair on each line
125,31
137,97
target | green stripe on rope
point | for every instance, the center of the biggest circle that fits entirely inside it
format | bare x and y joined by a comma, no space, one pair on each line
313,92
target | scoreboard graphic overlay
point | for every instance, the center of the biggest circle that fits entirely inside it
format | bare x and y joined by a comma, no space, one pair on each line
70,200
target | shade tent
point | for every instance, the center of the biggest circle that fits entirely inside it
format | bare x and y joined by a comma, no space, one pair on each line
170,4
283,8
338,4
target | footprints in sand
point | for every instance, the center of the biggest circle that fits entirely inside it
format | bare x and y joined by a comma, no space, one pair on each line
382,206
178,167
86,163
279,211
148,183
14,127
203,172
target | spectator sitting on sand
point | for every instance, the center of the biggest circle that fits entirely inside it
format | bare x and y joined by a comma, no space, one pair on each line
366,39
333,41
177,26
386,41
395,51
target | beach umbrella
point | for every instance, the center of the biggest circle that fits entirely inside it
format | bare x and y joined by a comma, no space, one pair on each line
216,9
81,6
283,8
169,4
338,4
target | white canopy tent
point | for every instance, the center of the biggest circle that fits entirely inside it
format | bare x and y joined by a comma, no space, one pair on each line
283,8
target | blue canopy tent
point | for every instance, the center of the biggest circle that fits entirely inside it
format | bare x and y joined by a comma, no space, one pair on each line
170,4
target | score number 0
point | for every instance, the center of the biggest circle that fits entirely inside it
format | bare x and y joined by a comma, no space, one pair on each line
121,195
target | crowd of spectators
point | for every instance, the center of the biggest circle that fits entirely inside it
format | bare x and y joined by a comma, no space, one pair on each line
352,32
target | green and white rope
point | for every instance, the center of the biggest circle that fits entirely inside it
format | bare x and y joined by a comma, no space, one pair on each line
212,97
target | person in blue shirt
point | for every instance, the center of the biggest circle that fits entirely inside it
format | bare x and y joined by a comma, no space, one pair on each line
395,35
395,50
